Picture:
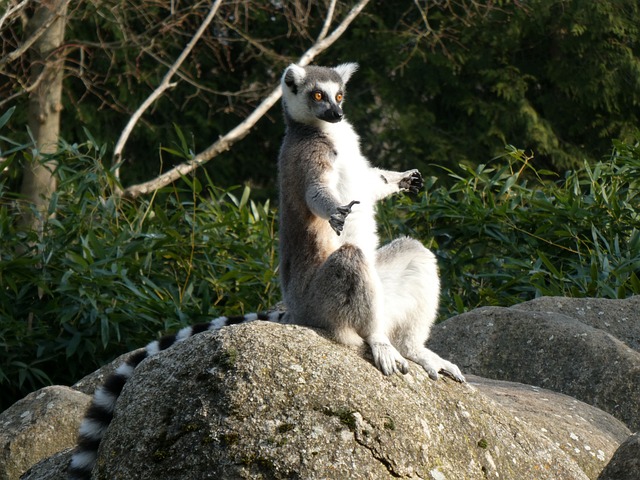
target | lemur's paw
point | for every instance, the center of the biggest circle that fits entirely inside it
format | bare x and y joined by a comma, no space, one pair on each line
337,219
388,359
413,182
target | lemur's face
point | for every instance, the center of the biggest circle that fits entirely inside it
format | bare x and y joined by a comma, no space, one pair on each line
324,99
315,94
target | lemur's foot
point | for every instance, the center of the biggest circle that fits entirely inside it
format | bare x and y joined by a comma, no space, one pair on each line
388,359
434,364
454,372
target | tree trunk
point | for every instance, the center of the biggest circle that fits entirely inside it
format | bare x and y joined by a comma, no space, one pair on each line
45,104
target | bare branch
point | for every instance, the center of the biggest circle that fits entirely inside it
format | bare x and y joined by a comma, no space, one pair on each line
33,38
325,43
258,45
198,85
243,128
327,21
24,90
165,84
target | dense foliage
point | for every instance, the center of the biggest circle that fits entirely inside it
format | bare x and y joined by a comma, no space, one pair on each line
107,274
440,82
503,234
457,81
118,52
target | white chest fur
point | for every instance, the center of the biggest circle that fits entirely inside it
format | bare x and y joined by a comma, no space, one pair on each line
351,179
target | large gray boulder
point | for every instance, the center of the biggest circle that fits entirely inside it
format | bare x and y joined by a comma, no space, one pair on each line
620,318
39,425
51,468
272,401
625,464
569,346
585,433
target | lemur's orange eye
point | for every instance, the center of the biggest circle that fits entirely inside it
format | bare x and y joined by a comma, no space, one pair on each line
317,96
339,97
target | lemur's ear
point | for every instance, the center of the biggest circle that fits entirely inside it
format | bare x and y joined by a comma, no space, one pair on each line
293,76
346,70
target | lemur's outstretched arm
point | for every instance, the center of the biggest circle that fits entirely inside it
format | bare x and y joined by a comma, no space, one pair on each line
387,182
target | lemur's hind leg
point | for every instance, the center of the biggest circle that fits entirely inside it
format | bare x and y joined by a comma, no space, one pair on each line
345,298
410,281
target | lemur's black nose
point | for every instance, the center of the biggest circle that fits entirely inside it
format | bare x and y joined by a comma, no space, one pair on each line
333,114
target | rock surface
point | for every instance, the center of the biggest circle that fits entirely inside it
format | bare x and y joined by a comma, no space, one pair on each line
88,384
271,401
620,318
39,425
625,464
585,433
569,354
51,468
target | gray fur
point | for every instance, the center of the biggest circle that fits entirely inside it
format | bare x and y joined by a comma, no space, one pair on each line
333,273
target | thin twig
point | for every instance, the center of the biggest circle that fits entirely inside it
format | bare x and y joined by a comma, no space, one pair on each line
11,10
24,89
255,43
243,128
165,84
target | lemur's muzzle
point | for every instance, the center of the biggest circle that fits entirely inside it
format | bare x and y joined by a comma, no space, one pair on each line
333,114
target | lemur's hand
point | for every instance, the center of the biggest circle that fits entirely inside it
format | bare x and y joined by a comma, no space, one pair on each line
337,219
412,182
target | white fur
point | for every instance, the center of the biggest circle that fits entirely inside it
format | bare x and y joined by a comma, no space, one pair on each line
92,430
297,111
126,370
105,399
298,72
84,459
152,348
218,323
183,334
352,179
345,70
295,108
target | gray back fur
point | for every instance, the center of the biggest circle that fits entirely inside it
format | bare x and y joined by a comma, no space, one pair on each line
306,155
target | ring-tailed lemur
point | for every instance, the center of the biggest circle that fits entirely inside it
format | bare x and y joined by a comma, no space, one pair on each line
333,274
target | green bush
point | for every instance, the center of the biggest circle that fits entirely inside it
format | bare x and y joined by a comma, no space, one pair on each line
108,274
505,233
